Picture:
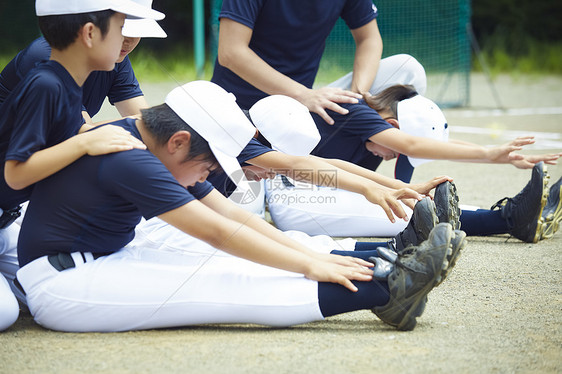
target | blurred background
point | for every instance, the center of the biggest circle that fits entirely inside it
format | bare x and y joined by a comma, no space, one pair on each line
450,38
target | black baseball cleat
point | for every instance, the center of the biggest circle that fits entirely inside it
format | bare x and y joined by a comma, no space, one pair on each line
552,212
414,275
423,220
447,204
523,211
458,242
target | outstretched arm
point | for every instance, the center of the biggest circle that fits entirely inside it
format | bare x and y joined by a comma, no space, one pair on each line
46,162
235,54
220,204
416,146
316,171
242,241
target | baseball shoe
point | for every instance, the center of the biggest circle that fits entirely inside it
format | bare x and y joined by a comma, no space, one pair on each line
523,211
447,204
552,212
423,220
414,275
458,242
382,268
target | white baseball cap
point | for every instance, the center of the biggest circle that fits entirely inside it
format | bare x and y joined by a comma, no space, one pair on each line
127,7
286,124
420,116
214,114
143,27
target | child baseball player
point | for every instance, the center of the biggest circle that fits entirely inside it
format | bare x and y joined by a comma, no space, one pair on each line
86,277
40,121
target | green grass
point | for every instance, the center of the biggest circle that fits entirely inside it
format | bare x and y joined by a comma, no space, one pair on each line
534,58
178,64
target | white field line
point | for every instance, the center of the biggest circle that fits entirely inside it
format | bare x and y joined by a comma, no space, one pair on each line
469,113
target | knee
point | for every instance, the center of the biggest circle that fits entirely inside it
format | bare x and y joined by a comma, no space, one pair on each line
9,310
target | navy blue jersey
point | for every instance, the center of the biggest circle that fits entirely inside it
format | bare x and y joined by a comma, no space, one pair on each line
41,112
222,182
94,204
345,140
117,85
290,35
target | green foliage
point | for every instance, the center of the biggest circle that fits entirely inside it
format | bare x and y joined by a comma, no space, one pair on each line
175,64
514,21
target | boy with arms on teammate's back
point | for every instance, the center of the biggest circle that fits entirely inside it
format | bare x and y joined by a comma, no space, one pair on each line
41,125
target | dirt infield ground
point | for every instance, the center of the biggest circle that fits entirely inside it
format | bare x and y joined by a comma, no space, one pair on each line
499,311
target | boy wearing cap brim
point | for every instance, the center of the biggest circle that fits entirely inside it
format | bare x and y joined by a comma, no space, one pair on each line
119,85
79,265
41,119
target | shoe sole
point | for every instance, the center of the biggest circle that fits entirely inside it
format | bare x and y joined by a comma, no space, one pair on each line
541,222
550,224
416,309
458,243
448,210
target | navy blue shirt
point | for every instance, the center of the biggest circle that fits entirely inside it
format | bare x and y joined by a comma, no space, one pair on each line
222,182
42,111
94,204
345,140
290,35
117,85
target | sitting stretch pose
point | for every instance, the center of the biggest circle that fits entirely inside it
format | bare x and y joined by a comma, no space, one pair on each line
398,121
81,272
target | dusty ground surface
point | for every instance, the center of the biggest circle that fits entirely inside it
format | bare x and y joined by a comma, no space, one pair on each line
499,311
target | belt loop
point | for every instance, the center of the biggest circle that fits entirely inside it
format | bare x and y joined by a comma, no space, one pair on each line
78,258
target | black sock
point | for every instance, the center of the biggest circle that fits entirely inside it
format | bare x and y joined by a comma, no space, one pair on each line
336,299
403,170
483,222
369,246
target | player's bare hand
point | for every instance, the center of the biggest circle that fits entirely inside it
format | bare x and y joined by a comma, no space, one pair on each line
328,98
388,200
323,271
426,187
109,139
503,154
344,260
529,161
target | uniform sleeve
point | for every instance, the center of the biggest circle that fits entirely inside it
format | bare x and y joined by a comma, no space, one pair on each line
242,11
252,150
200,190
362,121
39,50
357,13
34,116
140,178
125,85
